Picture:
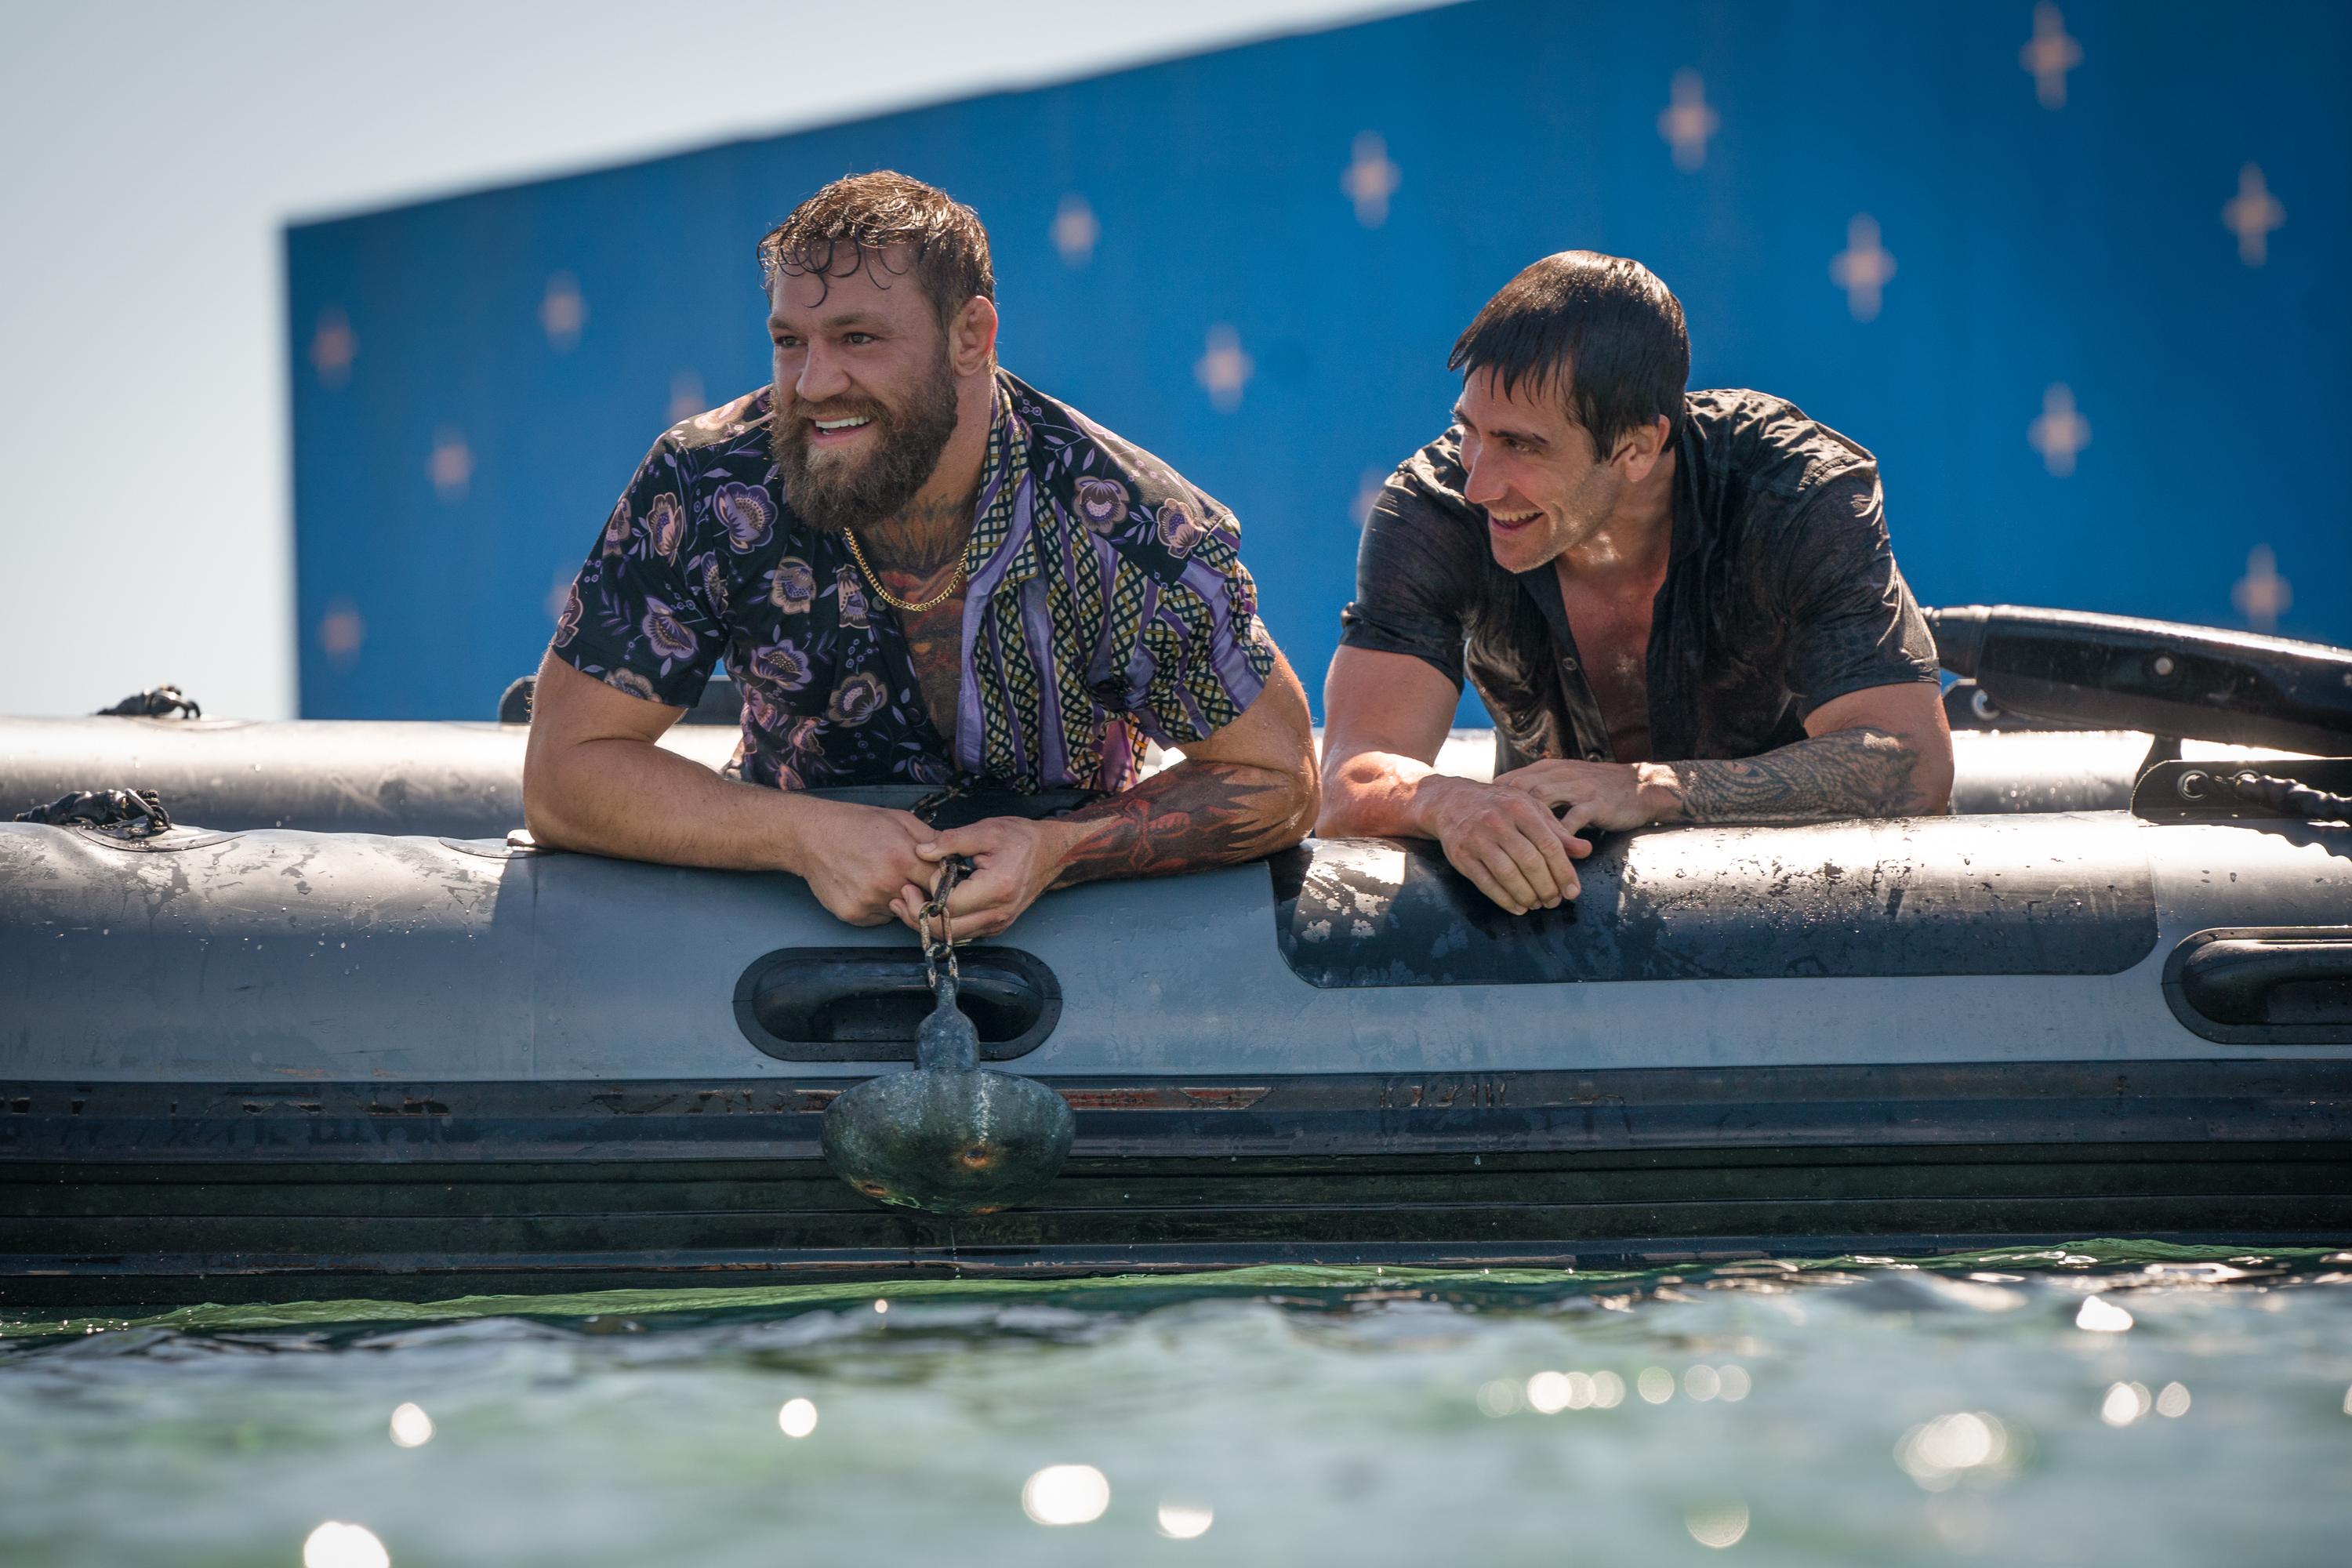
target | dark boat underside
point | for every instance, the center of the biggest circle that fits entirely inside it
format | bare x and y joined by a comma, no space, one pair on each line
116,1197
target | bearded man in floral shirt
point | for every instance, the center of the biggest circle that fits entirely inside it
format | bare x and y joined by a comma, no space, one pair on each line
919,570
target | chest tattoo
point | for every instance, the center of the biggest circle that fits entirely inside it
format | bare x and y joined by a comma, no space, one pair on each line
935,648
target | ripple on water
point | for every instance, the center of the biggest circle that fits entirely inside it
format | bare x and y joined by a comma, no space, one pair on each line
2098,1401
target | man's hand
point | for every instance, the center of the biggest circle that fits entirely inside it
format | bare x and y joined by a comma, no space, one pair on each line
1014,860
1505,841
1594,794
859,859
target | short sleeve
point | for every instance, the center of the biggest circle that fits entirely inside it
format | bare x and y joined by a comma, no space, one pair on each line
636,618
1854,623
1203,655
1413,585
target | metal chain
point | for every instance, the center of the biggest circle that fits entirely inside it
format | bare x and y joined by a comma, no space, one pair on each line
891,599
2289,795
953,869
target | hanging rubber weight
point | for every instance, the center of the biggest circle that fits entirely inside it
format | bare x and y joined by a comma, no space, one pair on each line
949,1137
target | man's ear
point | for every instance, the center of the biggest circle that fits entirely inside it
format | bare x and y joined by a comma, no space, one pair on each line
971,337
1639,449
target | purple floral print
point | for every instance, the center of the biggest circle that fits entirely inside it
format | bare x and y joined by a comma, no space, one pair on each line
567,625
665,525
852,597
783,664
1179,526
1101,502
667,634
791,586
746,514
855,700
703,560
630,681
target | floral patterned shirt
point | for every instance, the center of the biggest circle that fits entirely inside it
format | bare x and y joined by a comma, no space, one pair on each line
1107,603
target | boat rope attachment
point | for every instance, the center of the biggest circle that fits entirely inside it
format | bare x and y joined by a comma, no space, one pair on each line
121,813
156,702
2288,797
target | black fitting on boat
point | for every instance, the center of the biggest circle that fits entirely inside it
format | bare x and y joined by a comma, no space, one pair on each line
124,813
1959,636
156,702
2115,672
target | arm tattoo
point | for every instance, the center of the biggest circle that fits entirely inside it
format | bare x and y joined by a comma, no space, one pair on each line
1849,773
1196,815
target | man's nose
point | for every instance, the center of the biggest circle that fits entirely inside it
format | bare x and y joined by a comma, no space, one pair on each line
1484,486
821,377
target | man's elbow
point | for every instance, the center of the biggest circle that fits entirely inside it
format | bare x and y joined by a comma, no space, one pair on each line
1345,781
548,801
1298,803
1931,777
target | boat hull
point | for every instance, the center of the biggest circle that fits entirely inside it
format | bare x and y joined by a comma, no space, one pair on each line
277,1064
430,1192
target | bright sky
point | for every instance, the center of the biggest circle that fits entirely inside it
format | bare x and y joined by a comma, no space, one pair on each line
153,153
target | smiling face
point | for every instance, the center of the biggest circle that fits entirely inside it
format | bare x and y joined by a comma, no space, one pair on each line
1534,470
866,391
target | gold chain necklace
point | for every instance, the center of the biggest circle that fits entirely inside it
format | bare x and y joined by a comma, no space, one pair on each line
891,599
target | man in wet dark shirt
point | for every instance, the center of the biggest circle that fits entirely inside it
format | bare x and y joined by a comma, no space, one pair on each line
1677,607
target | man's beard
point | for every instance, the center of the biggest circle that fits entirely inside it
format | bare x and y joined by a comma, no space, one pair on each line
836,493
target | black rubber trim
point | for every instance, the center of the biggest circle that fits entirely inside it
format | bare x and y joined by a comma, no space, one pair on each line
1377,1116
2182,993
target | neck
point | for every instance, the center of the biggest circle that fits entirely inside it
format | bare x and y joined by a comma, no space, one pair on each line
930,533
1632,547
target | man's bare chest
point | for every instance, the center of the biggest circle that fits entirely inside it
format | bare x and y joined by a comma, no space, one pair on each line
935,650
1613,644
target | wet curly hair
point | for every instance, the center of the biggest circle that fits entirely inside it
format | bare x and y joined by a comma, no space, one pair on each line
873,215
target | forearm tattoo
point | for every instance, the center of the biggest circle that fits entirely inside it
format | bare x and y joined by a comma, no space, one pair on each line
1196,815
1851,772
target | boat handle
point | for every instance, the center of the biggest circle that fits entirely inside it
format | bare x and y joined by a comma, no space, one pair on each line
2233,980
834,1004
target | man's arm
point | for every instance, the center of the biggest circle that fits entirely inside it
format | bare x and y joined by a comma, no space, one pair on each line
594,779
1246,790
1885,751
1385,716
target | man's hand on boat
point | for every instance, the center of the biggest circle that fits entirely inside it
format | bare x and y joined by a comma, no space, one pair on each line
1881,751
596,781
1243,791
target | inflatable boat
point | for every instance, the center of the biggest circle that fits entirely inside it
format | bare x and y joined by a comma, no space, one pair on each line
2081,752
275,1063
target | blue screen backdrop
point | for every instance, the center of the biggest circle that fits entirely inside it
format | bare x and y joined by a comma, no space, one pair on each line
2077,274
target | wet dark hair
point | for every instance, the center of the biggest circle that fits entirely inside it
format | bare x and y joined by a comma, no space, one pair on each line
1600,328
873,214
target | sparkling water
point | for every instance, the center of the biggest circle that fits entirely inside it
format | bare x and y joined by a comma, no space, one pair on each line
2106,1403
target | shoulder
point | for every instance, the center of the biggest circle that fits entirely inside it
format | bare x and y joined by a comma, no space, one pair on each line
716,474
1115,492
722,437
1430,482
1751,444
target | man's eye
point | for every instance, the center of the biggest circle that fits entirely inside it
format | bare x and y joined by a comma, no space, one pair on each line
788,342
861,339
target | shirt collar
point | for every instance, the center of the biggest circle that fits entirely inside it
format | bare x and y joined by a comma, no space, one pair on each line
1006,500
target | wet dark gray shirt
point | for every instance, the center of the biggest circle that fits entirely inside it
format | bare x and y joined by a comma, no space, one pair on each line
1782,593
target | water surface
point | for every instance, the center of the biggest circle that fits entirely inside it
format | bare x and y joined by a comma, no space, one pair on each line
2104,1403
